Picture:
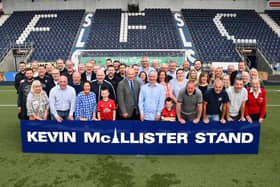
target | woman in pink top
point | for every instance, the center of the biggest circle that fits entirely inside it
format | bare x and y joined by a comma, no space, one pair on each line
163,80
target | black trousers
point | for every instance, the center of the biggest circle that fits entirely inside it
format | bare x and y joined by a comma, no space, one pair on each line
256,117
23,113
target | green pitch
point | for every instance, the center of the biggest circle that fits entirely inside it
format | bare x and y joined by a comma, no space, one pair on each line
18,169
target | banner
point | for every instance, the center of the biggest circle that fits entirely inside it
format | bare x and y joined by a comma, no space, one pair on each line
136,137
10,76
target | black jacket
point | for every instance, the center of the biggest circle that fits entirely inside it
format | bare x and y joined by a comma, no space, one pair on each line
84,76
115,81
47,83
96,88
19,76
23,91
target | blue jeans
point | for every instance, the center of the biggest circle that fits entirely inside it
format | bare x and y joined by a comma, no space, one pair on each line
213,117
63,114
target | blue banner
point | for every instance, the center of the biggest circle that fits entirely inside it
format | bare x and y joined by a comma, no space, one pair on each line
136,137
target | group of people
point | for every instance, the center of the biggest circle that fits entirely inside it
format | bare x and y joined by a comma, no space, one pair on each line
166,92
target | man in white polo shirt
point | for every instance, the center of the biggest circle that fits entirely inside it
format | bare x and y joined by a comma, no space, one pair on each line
237,98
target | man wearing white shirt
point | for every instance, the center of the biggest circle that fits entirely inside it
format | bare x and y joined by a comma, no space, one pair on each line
55,76
186,67
172,70
197,67
62,101
238,96
145,65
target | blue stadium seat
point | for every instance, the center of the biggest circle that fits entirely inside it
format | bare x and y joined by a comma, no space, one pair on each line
50,45
160,32
246,25
275,15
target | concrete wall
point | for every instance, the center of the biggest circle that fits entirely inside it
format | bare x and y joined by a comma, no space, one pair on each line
91,5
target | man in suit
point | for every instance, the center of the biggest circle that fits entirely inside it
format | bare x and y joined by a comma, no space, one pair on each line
128,92
88,75
238,73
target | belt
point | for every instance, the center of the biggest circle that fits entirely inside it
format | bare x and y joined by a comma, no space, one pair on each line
188,113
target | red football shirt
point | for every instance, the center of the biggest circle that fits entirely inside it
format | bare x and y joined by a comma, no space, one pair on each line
166,113
106,109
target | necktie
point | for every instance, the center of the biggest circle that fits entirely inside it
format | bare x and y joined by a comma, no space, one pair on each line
132,91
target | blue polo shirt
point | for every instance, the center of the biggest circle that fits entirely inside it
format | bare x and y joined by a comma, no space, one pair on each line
214,101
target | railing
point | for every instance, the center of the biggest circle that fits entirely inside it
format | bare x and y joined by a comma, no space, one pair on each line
26,45
6,50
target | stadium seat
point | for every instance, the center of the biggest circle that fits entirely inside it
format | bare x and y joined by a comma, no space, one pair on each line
150,29
275,15
57,30
214,43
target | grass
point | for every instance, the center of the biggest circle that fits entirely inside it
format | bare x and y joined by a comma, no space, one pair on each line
42,170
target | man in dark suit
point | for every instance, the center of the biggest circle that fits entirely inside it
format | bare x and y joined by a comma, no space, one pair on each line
238,73
88,75
69,71
128,93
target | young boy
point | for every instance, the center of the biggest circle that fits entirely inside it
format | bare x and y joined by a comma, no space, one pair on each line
106,108
168,113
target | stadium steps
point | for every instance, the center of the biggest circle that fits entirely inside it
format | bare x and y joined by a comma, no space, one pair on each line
271,23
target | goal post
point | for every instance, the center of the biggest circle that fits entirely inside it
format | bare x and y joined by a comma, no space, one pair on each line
130,56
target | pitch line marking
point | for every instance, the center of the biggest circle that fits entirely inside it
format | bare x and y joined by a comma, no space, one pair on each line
8,91
14,105
267,90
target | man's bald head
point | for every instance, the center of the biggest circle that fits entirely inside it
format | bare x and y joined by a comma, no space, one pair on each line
130,73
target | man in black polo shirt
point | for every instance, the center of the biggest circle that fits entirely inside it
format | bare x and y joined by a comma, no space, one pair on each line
23,91
213,100
46,81
112,77
20,75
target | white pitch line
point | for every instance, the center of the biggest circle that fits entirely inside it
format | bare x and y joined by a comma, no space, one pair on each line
13,105
7,91
273,105
8,105
272,90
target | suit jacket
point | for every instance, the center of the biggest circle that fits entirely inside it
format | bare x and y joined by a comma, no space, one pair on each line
125,97
84,76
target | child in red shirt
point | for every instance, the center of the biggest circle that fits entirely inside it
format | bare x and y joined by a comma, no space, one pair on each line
168,113
106,108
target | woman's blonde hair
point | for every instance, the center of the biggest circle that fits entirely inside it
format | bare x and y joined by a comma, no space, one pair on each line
35,83
254,70
193,70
